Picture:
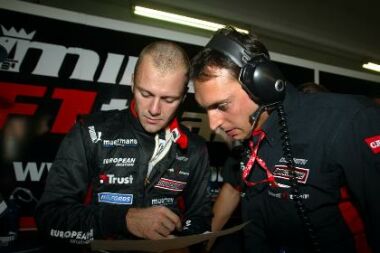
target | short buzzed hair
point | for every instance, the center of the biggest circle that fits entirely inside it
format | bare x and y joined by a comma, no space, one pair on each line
166,56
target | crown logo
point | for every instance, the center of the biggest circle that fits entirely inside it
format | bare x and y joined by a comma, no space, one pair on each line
15,34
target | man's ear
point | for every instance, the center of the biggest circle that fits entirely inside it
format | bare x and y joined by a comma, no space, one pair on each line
133,82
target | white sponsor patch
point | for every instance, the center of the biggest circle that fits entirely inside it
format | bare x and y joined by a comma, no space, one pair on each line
162,201
286,195
120,143
115,198
184,173
187,225
120,161
78,237
95,136
181,158
298,161
112,179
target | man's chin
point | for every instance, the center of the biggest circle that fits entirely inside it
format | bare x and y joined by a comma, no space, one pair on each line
239,138
152,129
243,137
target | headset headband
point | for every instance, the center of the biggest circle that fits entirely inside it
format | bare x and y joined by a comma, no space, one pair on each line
229,47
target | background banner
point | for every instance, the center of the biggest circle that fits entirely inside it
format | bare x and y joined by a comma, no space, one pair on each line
55,71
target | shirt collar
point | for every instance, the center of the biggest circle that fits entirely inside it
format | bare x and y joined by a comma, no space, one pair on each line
174,127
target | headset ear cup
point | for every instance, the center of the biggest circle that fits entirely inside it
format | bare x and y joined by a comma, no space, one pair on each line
263,82
269,83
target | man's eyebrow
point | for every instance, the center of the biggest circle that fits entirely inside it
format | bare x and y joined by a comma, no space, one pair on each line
173,97
163,97
215,104
142,89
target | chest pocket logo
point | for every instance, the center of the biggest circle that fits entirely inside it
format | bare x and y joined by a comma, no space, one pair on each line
170,185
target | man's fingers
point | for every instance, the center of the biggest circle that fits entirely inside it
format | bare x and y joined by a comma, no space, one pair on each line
179,226
163,231
155,236
153,222
173,218
168,224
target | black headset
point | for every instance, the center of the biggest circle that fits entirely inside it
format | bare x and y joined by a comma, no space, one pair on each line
259,77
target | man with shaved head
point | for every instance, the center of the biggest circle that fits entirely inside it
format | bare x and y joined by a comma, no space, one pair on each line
135,173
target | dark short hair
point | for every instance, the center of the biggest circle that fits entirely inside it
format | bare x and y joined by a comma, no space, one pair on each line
310,87
208,57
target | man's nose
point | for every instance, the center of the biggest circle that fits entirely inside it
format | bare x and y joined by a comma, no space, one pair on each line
155,107
215,119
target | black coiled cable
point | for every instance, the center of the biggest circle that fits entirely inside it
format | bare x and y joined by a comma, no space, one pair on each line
295,191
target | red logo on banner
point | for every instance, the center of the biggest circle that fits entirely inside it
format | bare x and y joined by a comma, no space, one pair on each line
374,143
73,103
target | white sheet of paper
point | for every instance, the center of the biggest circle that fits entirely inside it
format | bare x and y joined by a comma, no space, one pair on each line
160,245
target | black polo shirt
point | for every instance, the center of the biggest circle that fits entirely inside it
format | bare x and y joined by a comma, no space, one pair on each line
335,142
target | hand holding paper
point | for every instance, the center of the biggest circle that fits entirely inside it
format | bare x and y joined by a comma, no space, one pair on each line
153,223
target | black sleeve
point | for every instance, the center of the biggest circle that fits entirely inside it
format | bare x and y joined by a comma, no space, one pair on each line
231,171
61,212
197,217
357,151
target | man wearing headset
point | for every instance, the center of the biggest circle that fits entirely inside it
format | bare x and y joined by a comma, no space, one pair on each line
135,173
311,166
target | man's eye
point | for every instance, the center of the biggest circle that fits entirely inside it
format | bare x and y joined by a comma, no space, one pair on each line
145,94
223,107
169,100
